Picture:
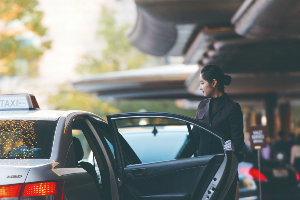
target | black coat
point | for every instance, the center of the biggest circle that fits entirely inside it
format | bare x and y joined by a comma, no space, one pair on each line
226,118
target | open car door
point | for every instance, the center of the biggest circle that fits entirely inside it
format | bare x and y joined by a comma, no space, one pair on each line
157,157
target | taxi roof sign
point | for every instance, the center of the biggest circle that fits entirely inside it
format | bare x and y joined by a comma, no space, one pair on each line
18,102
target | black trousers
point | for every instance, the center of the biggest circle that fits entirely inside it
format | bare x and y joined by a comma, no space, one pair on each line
232,190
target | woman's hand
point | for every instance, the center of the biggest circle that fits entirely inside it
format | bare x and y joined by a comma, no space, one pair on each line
228,146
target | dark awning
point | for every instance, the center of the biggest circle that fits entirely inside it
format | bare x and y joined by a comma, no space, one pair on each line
265,61
164,24
254,84
151,83
205,40
268,19
254,56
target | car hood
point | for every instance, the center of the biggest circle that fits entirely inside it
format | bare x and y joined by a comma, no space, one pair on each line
15,171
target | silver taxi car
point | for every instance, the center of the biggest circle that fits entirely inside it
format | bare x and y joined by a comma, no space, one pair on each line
76,155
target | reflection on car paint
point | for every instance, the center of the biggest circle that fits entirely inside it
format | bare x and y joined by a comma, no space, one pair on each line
14,162
249,198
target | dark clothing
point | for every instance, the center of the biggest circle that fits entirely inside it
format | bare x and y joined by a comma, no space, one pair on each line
212,103
225,117
249,153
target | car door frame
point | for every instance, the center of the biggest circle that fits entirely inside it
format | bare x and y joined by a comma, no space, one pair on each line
70,116
225,175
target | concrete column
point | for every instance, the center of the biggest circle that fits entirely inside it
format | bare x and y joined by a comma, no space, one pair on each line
258,118
270,104
285,117
247,121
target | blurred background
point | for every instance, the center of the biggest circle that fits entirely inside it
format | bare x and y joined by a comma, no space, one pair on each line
127,56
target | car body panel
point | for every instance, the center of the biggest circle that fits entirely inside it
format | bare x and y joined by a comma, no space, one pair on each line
78,183
31,170
189,178
31,114
12,174
166,178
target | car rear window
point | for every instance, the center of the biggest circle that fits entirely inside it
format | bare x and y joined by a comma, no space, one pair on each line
24,139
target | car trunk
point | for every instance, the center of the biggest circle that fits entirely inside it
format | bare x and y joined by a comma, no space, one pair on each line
15,171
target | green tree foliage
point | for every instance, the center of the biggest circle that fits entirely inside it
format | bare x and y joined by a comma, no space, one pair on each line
118,54
20,20
70,99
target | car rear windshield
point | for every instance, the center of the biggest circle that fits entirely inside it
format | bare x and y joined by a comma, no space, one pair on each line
24,139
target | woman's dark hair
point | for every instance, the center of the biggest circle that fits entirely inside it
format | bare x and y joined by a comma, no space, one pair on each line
210,72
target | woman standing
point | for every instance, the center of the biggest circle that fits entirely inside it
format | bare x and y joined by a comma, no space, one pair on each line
221,113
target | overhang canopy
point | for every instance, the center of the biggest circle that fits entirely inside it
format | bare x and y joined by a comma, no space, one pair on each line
205,40
254,56
286,84
268,19
182,82
164,24
265,61
151,83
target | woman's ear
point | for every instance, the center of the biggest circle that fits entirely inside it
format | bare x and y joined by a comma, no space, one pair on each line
214,83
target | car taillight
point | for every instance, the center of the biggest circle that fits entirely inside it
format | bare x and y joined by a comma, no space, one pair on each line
255,174
33,191
10,191
297,176
54,189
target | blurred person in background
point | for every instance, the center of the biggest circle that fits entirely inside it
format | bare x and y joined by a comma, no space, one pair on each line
266,151
280,147
222,114
295,155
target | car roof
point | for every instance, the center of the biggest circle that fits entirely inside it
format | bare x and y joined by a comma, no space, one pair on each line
51,115
31,115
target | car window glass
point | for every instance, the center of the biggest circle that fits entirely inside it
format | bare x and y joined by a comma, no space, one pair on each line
161,139
110,146
87,152
26,139
104,132
88,155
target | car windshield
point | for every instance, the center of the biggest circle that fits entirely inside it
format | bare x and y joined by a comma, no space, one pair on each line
24,139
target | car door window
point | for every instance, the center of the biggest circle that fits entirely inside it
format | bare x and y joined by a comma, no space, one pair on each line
105,134
155,139
88,155
111,147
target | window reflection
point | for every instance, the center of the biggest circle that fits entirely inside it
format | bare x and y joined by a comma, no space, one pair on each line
26,138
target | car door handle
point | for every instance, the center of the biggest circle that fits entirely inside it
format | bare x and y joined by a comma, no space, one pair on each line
139,171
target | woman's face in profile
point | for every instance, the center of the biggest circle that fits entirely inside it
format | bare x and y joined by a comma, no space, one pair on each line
206,87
